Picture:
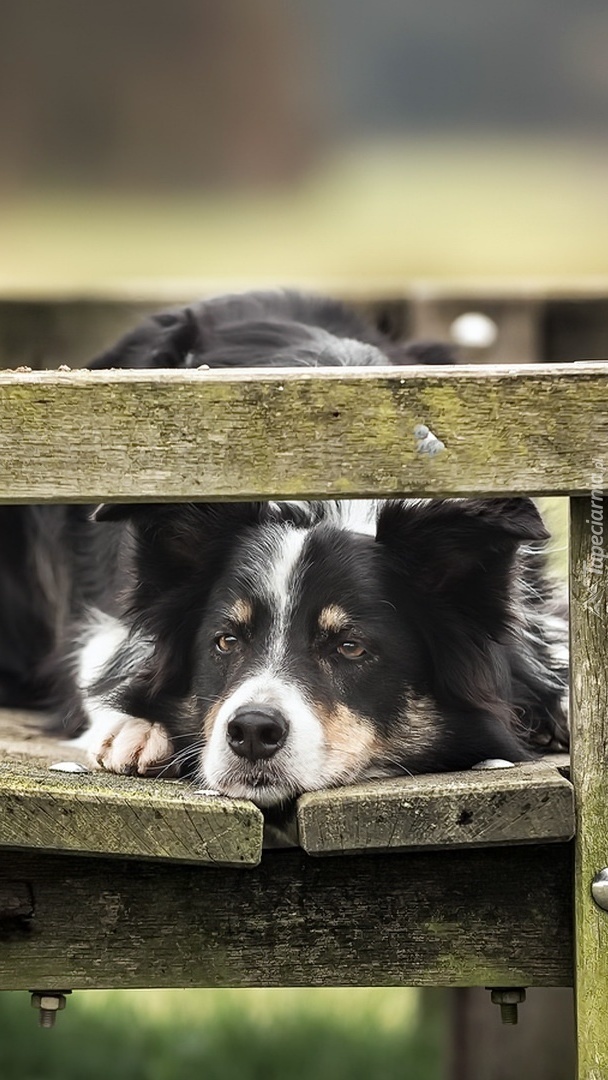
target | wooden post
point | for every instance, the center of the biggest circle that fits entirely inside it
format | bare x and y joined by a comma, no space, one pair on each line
589,711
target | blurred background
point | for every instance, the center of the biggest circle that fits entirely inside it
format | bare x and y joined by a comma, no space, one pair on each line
329,143
301,140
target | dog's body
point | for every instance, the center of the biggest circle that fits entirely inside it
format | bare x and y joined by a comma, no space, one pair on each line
269,649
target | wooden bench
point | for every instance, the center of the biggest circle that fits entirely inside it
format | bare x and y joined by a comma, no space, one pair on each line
464,880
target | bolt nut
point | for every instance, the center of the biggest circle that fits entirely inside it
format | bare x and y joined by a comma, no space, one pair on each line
52,1004
508,998
48,1003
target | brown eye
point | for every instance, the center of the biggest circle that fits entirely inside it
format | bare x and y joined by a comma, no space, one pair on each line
351,650
225,643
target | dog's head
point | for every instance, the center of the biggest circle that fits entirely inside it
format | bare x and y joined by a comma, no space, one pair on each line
300,646
276,329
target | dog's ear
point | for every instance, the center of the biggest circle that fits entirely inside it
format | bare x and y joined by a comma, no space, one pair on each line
169,339
455,560
446,545
179,541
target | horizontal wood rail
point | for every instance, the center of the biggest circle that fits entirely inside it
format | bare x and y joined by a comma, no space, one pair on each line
180,435
501,917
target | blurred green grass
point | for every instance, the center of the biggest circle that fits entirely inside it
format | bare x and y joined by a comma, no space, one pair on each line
379,213
329,1034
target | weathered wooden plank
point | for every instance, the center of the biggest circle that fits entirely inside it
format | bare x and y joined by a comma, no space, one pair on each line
26,738
589,712
530,803
525,804
496,917
102,814
217,435
15,901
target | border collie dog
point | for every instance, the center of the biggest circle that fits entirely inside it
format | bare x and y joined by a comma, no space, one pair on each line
276,648
267,649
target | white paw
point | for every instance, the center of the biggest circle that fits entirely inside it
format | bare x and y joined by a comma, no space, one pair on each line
134,746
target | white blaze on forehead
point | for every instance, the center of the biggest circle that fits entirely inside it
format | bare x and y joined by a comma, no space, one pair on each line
285,547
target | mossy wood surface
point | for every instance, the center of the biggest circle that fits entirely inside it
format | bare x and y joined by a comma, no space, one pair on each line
98,813
498,917
216,435
589,710
525,804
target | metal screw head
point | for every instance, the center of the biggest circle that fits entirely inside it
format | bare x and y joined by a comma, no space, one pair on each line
599,889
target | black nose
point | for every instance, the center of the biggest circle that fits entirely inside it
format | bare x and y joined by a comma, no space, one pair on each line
256,733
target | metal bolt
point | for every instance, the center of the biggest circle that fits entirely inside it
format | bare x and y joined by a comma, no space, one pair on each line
599,889
508,997
48,1003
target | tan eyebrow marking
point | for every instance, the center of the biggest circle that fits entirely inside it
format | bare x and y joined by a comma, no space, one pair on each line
333,619
241,612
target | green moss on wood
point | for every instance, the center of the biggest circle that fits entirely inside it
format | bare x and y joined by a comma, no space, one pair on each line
217,435
102,814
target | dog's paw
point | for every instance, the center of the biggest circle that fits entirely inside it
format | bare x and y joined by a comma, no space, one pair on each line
135,747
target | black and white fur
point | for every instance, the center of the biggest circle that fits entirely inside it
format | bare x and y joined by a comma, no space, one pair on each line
273,649
270,649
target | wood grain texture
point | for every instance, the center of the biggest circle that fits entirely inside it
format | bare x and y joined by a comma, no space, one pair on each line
84,436
589,718
526,804
496,917
15,901
26,737
98,813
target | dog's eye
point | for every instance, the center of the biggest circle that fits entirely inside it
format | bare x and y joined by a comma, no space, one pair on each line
351,650
225,643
